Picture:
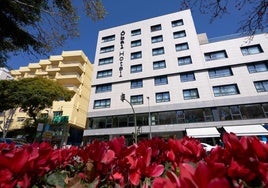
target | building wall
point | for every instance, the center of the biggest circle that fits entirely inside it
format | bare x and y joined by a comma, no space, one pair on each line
73,70
122,84
4,74
199,46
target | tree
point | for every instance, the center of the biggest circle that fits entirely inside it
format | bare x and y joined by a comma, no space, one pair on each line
7,88
255,12
33,95
35,26
7,103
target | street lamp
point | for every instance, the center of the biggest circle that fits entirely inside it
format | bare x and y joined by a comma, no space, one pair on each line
149,119
123,98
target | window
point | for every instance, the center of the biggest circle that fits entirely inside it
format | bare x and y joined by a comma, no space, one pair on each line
180,116
182,46
158,51
222,113
156,28
156,39
190,94
252,111
165,118
250,50
220,72
235,112
104,103
176,23
106,49
57,113
105,61
135,32
215,55
162,97
208,115
136,55
159,64
20,119
103,88
108,38
136,68
135,43
194,115
179,34
261,86
105,73
261,66
187,77
160,80
136,84
137,99
265,109
44,115
184,60
225,90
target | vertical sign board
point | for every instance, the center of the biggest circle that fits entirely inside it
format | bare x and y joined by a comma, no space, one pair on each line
121,52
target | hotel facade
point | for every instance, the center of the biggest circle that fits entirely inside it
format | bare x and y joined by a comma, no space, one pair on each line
177,81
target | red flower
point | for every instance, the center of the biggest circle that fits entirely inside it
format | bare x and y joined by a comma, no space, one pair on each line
240,171
163,183
186,149
117,145
134,177
142,166
108,156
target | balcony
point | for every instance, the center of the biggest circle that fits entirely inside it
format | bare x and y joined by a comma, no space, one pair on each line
52,69
34,66
74,56
40,72
24,69
66,79
71,67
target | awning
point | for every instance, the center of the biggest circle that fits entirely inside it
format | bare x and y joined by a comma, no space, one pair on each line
247,130
204,132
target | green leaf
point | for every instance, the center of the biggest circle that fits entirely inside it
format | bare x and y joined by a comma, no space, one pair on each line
57,179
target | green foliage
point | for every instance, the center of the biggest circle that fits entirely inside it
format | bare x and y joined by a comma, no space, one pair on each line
35,26
57,179
32,94
7,88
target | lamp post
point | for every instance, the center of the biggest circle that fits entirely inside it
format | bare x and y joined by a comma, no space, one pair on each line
123,98
149,119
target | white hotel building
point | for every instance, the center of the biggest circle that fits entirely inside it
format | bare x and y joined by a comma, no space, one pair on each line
186,83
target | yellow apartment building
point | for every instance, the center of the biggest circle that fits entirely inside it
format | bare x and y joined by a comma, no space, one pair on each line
74,71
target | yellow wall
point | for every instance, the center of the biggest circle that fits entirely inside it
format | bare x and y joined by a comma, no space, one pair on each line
74,71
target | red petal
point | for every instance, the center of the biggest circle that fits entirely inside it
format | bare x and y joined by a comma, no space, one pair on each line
222,182
117,176
5,175
148,156
187,171
135,178
173,178
171,155
202,175
108,156
155,170
163,183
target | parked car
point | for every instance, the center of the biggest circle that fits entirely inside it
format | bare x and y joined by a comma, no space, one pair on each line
208,147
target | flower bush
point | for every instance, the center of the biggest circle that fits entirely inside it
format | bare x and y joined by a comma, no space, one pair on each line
154,163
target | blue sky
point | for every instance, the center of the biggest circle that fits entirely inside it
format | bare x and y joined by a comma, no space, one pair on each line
123,12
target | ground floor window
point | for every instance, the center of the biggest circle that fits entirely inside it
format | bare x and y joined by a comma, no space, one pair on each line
221,113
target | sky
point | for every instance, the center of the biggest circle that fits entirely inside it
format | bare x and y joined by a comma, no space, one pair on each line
122,12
